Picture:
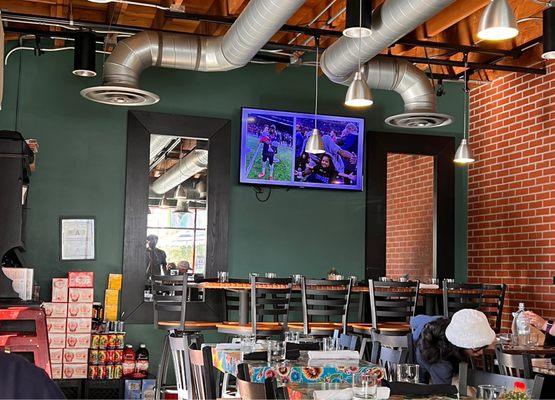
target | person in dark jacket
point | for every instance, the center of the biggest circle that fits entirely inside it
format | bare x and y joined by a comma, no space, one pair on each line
440,343
19,379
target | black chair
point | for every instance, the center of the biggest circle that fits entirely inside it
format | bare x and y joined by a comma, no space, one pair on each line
493,299
323,301
517,365
458,296
256,391
474,378
391,350
392,304
231,299
266,302
169,296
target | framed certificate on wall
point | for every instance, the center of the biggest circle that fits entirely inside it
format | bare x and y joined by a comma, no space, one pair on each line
77,239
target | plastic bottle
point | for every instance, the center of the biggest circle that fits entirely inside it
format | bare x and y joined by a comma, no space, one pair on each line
128,363
521,326
141,361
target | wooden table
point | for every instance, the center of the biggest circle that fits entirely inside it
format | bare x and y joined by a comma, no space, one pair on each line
243,290
543,366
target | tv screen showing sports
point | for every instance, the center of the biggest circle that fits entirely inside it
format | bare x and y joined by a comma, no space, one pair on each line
273,150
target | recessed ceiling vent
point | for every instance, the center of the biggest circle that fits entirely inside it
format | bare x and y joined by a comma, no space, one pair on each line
120,96
419,120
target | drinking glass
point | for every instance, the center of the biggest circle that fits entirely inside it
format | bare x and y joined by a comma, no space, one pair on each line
403,279
296,279
276,351
247,343
328,344
223,276
434,281
365,386
408,373
383,279
270,275
490,392
354,280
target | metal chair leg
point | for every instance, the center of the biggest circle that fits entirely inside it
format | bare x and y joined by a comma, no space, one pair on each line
162,368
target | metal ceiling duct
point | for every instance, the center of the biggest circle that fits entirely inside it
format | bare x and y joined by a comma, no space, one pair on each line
260,20
193,163
393,20
413,86
157,144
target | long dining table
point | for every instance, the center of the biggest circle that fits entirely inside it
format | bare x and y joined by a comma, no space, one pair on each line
243,290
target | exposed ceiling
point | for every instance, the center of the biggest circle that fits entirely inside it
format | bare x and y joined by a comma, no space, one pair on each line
443,39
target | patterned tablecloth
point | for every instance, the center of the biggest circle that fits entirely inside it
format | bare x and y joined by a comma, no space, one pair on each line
297,371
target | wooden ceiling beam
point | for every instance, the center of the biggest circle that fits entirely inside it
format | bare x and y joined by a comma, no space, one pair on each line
453,14
235,7
115,12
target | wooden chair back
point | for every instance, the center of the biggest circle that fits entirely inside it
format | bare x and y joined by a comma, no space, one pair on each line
517,365
169,297
493,299
325,299
474,378
252,390
392,301
270,302
457,296
179,346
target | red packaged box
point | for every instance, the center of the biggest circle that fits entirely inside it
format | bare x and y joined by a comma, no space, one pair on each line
56,340
55,310
78,340
81,295
79,310
75,371
59,290
56,371
56,325
56,356
76,356
79,325
79,279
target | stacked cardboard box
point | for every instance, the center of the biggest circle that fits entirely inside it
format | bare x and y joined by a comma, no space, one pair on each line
69,320
111,297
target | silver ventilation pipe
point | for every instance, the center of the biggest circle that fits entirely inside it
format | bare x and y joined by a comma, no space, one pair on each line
414,87
260,20
393,20
157,144
193,163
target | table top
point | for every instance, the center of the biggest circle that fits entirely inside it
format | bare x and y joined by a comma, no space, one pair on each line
543,366
238,286
545,351
301,370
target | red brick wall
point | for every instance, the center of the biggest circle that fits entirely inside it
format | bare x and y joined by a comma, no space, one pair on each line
511,202
410,202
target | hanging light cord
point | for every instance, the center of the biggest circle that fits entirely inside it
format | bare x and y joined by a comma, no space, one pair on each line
359,31
466,99
317,42
17,94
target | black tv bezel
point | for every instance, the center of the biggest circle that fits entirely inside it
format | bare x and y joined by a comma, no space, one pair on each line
290,187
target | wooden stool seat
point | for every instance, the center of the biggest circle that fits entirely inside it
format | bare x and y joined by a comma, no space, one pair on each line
316,328
262,328
189,325
384,327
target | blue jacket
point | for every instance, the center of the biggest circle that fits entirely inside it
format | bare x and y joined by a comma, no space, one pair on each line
440,372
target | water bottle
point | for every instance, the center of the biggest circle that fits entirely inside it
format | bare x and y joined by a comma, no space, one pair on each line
521,326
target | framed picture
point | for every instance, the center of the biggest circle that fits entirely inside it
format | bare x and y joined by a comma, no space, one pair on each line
77,239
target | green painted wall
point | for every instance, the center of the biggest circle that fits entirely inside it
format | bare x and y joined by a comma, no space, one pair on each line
81,168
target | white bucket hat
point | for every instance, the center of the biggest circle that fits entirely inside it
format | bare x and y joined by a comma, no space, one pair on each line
469,329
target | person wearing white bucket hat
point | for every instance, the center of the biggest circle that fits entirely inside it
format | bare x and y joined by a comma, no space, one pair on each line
440,343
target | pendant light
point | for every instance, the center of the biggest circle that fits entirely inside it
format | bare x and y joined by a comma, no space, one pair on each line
358,94
358,20
315,144
165,202
498,21
463,155
549,32
84,56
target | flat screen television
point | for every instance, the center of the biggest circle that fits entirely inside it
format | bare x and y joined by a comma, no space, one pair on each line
273,144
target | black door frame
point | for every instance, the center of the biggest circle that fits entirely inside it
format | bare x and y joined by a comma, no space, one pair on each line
442,148
140,125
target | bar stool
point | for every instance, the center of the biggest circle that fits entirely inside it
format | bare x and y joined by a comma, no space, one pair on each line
270,297
323,299
392,304
170,294
457,296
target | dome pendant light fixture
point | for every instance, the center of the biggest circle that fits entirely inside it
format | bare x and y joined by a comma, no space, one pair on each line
358,21
315,144
358,94
498,21
84,56
165,202
463,155
549,32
